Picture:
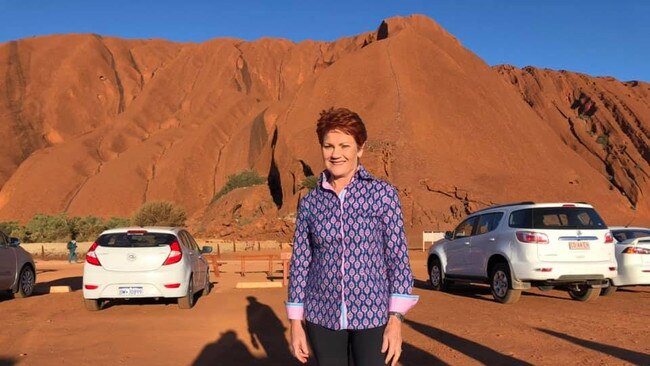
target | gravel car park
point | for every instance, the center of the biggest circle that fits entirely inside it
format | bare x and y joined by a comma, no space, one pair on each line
145,262
513,247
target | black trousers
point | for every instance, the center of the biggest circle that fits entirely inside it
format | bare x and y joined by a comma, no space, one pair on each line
346,347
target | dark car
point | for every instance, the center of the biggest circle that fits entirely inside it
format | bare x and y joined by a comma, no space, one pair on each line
17,269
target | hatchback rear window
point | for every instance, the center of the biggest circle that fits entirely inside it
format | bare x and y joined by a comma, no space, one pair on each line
556,218
127,240
622,235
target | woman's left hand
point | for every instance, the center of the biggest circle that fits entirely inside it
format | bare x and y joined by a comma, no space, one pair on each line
392,344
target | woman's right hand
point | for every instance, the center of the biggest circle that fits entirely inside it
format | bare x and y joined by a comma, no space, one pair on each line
299,347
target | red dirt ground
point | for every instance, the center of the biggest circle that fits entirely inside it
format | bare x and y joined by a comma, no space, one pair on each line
248,327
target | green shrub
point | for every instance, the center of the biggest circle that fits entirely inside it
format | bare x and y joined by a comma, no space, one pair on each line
247,178
85,228
9,227
309,182
60,228
603,140
47,228
114,222
159,213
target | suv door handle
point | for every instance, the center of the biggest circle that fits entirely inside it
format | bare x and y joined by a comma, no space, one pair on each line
466,243
492,239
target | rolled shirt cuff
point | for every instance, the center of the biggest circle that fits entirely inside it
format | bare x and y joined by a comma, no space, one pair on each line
402,303
295,310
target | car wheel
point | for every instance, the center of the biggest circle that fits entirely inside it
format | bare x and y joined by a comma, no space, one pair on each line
26,282
187,301
93,304
583,292
208,284
501,285
607,291
436,275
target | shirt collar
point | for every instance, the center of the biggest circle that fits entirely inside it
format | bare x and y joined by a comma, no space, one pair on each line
361,173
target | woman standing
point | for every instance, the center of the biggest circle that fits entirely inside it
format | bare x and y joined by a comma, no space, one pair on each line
350,278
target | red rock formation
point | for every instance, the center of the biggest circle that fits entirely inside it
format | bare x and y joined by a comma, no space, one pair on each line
97,126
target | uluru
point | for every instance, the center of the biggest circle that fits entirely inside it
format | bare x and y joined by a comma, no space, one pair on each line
95,125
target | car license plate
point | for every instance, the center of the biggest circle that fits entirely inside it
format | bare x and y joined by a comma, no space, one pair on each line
131,291
579,245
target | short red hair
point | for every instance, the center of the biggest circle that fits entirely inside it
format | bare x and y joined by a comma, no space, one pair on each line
344,120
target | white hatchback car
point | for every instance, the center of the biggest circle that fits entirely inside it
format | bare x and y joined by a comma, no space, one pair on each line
633,257
516,246
145,262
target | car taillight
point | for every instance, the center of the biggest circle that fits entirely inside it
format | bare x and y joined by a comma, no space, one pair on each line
91,256
609,239
636,250
175,255
532,237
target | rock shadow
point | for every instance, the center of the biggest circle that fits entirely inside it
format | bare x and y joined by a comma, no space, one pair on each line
470,348
633,357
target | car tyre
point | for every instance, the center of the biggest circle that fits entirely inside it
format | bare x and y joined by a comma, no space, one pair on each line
609,290
93,304
26,282
583,292
187,301
501,284
436,275
208,284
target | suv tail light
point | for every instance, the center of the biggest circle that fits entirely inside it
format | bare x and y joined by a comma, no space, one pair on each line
91,256
532,237
636,250
175,255
609,239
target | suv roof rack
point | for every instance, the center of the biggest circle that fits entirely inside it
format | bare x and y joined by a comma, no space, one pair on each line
505,205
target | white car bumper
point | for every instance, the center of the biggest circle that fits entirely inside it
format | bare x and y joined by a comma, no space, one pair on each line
561,271
132,284
634,269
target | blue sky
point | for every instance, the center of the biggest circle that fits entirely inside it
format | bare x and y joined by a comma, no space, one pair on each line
597,37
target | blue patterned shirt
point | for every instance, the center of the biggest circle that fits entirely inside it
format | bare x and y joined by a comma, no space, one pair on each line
350,262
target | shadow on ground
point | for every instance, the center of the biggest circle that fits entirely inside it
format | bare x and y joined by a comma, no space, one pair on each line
266,333
7,361
414,356
43,288
477,351
633,357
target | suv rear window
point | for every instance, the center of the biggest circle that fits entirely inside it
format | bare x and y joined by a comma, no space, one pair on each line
126,240
556,218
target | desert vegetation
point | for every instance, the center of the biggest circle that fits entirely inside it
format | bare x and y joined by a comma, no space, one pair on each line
61,227
247,178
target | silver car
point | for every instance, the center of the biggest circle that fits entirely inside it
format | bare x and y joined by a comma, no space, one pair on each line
17,269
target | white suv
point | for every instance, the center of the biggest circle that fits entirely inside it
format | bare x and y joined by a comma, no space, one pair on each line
513,247
145,262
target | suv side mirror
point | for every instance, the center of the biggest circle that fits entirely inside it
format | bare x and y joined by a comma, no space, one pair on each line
448,235
14,242
206,249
